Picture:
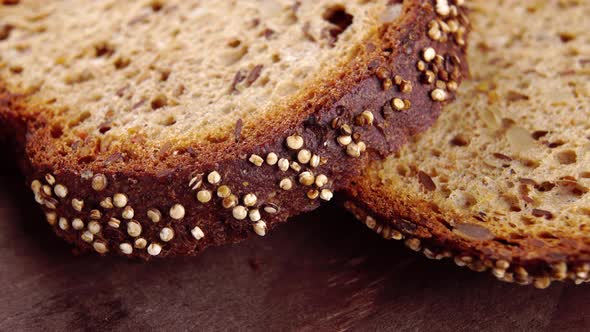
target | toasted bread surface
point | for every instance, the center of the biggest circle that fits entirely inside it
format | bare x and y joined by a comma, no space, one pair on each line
501,181
168,126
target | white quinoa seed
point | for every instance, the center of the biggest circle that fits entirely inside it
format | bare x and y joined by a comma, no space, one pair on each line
94,227
428,54
295,166
306,178
99,182
120,200
36,186
315,161
214,177
259,228
87,236
128,213
438,95
398,104
272,159
286,184
254,215
154,249
283,164
204,196
50,179
95,214
166,234
63,224
256,160
368,117
107,203
295,142
250,200
47,190
223,191
304,156
326,194
321,180
77,224
114,223
197,233
344,140
177,212
154,215
442,7
353,150
126,248
239,212
100,247
133,229
270,209
60,190
140,243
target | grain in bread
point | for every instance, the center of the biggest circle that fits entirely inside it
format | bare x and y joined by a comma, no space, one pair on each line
163,127
501,181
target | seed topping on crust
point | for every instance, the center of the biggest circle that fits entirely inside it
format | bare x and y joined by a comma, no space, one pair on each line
128,213
304,156
77,224
286,184
239,212
114,223
166,234
60,190
154,249
99,182
256,160
223,191
272,159
259,228
214,177
126,248
134,229
120,200
204,196
100,247
438,95
326,194
295,142
177,212
94,227
154,215
250,200
197,233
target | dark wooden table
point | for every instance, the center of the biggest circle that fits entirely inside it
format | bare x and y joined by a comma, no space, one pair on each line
323,271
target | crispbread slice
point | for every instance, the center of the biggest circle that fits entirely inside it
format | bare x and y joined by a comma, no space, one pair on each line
158,128
501,181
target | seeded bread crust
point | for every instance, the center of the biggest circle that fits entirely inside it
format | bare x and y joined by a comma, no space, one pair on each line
542,236
187,200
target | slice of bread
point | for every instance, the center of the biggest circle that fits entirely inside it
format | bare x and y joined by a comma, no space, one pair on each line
501,181
158,128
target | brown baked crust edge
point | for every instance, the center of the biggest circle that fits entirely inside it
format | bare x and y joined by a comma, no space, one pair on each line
80,196
424,230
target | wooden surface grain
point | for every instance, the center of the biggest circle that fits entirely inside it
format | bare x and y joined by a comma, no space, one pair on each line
321,272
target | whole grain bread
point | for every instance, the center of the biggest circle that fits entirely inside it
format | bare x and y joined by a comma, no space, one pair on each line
501,181
158,128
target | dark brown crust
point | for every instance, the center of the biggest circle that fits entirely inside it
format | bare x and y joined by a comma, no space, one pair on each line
160,184
426,228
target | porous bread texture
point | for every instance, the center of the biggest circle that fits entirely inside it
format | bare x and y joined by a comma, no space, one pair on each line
506,169
142,196
174,72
